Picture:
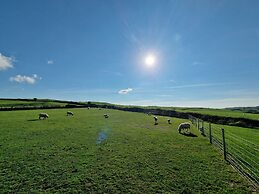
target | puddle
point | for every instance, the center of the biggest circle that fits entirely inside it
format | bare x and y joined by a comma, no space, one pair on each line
103,135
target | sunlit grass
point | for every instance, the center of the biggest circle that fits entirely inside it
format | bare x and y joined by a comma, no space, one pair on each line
63,154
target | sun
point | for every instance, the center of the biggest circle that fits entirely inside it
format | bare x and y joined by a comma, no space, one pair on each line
150,60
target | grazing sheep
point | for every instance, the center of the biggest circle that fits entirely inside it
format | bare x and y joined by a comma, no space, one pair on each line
156,120
69,113
106,116
43,116
185,126
169,121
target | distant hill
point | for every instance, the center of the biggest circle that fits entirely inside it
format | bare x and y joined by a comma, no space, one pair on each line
238,116
253,110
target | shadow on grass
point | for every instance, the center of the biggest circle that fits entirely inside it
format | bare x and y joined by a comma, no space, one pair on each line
189,134
33,120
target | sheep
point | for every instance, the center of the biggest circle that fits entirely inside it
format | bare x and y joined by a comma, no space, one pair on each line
169,121
156,120
186,126
69,113
43,115
106,116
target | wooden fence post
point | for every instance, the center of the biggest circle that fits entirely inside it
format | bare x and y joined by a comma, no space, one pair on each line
224,144
198,126
210,133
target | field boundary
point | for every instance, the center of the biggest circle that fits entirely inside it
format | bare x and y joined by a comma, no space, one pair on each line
232,121
237,151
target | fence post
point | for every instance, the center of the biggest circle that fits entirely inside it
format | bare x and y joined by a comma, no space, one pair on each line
198,126
210,133
224,144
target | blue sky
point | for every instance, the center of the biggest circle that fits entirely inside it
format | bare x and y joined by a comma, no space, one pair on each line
206,52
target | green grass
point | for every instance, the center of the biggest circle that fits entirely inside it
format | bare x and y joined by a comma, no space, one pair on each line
242,143
24,103
220,112
207,111
61,154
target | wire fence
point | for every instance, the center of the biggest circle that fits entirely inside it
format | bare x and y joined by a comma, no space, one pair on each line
241,153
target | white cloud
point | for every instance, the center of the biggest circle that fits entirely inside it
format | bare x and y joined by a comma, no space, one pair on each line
125,91
6,62
50,62
25,79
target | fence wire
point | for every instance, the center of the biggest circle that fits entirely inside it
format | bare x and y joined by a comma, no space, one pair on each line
241,153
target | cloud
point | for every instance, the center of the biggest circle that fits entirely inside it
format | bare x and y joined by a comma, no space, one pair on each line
50,62
25,79
6,62
125,91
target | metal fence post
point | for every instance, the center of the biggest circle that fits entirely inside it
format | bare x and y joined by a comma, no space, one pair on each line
224,144
210,133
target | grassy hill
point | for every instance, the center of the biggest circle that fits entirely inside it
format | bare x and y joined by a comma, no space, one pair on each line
221,112
234,113
5,103
125,153
219,116
254,110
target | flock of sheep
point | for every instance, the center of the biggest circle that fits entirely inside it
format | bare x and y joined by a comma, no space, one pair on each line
183,126
69,113
45,115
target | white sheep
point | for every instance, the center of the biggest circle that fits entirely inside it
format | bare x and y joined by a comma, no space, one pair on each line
156,120
69,113
169,121
106,116
185,126
43,116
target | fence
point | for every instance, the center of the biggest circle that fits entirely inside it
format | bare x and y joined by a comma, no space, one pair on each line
241,153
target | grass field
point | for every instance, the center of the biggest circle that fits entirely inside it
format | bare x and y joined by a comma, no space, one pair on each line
205,111
23,103
125,153
220,112
241,143
214,112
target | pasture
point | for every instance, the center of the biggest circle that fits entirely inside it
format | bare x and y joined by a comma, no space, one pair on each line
242,144
29,103
214,112
220,112
125,153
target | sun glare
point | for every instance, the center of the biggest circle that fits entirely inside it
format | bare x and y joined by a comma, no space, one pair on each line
150,60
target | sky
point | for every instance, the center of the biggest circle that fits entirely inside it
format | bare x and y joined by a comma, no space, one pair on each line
187,53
